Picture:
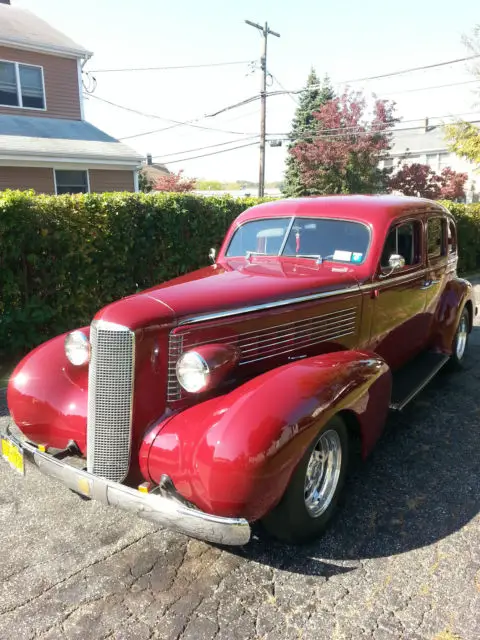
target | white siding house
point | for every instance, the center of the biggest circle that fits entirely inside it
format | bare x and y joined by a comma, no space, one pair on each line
426,145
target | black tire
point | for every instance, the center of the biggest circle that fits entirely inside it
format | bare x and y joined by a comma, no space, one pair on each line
458,352
291,520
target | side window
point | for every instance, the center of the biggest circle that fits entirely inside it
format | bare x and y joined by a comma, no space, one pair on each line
452,237
436,236
404,240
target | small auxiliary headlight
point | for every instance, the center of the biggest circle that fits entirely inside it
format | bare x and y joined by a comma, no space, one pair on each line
77,348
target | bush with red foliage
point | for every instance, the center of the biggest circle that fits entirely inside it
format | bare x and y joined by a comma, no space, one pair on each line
175,182
421,181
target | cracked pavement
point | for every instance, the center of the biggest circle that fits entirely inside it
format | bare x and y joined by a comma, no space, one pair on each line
401,561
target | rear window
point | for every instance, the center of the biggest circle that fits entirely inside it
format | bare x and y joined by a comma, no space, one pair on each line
335,240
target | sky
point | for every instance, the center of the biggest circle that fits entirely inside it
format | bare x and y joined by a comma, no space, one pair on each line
345,39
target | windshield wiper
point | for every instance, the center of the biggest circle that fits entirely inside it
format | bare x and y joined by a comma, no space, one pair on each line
249,254
317,256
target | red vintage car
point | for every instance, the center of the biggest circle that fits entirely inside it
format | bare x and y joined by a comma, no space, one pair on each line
232,394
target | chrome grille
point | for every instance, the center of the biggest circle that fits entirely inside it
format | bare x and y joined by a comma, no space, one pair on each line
274,341
110,398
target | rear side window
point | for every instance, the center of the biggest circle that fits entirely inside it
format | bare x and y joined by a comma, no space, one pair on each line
436,235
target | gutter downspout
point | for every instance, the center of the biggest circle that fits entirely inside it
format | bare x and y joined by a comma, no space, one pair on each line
80,66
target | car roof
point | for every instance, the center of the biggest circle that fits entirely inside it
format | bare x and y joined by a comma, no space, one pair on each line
367,209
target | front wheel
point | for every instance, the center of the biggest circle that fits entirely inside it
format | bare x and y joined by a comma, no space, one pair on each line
460,340
309,501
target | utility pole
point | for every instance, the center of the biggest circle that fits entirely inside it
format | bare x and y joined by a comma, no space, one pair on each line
266,31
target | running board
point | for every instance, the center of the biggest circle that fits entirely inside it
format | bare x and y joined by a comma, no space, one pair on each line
413,377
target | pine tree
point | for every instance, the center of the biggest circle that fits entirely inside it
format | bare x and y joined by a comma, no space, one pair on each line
303,124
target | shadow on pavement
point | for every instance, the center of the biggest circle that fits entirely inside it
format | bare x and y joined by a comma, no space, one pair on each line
421,484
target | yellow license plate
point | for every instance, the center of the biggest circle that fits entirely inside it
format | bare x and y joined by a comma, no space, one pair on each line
13,454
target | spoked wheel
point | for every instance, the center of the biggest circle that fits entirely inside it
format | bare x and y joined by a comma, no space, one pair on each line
312,495
460,341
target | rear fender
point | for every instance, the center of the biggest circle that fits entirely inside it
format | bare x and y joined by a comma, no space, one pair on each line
457,293
235,454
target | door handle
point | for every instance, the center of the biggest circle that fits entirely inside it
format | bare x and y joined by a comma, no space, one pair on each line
428,283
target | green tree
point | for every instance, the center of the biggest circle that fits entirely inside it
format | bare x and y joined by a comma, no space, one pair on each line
145,184
463,137
209,185
304,123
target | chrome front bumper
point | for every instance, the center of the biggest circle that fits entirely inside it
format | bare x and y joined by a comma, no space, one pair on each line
164,511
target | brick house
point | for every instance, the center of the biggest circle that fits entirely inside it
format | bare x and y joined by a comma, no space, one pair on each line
45,142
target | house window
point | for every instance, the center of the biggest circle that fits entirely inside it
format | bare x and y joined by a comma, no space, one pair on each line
71,182
445,160
388,163
21,85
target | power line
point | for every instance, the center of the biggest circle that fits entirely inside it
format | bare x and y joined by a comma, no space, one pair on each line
210,146
314,87
313,132
214,153
413,69
176,123
181,66
292,98
311,87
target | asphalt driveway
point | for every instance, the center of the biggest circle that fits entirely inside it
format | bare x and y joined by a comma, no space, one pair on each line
401,561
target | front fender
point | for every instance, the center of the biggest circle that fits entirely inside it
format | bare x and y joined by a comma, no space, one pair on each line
235,454
47,396
457,293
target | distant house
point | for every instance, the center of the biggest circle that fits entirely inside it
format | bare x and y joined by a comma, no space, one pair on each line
152,171
45,142
426,145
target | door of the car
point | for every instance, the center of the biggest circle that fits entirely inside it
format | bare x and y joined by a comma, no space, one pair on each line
437,248
399,323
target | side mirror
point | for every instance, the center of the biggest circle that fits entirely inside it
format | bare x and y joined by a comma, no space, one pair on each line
396,261
212,254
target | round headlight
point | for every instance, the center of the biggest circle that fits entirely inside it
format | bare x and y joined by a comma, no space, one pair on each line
192,372
77,348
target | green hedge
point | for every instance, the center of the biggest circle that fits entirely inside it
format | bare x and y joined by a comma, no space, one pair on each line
468,228
62,258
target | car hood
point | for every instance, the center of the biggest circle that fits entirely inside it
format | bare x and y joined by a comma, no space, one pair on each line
240,284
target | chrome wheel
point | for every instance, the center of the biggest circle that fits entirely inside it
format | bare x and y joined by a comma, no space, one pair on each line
323,473
462,336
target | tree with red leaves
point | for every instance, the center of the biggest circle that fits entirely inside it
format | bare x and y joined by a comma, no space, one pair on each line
343,156
175,182
421,181
453,184
416,180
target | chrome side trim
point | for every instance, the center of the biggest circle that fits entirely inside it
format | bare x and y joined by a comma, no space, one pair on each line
269,305
392,281
164,511
269,342
311,343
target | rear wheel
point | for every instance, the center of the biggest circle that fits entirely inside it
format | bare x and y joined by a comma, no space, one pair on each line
460,341
310,499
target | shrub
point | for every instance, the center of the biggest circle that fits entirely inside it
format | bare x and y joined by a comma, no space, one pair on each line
64,257
467,217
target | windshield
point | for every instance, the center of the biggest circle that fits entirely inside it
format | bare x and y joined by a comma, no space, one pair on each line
319,238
